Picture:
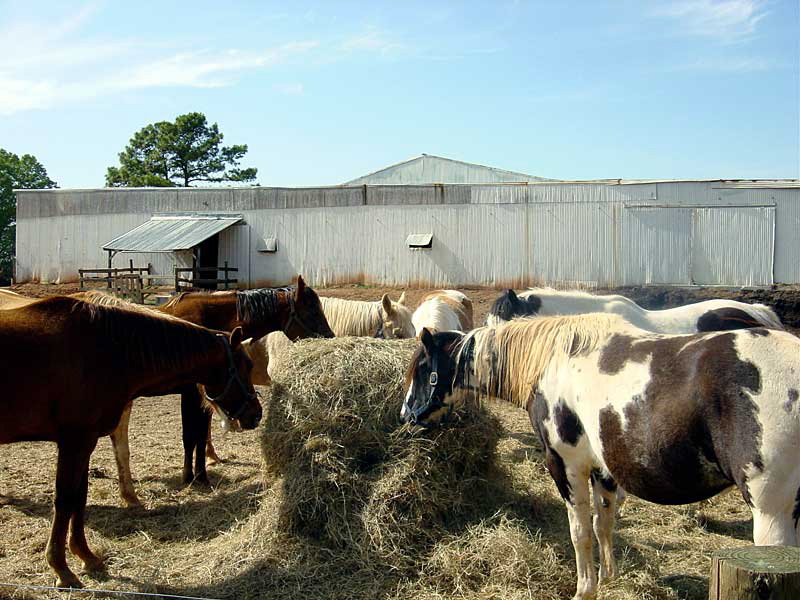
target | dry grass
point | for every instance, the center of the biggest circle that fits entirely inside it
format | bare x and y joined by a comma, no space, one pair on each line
344,504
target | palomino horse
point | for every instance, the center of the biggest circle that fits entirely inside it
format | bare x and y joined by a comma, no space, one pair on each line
443,310
386,318
709,315
9,299
72,368
673,418
294,310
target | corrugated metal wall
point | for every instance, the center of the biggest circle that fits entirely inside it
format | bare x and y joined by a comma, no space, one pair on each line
495,235
656,245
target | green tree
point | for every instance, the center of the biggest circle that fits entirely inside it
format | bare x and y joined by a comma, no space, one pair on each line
16,172
168,154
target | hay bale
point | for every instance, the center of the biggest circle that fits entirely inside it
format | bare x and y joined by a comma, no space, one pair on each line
354,478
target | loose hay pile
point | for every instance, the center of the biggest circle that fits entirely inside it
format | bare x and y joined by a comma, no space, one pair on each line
354,478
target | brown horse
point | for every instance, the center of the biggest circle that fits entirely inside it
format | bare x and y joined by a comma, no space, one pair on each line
72,368
295,310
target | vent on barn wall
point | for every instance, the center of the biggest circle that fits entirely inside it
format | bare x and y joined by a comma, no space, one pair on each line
269,244
418,241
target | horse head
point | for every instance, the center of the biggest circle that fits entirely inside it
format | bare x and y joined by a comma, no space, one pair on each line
229,389
509,306
306,318
432,378
395,319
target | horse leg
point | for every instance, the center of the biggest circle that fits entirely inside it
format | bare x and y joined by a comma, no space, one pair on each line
195,431
119,440
73,465
188,420
200,443
580,528
573,485
774,529
605,496
211,453
77,537
622,496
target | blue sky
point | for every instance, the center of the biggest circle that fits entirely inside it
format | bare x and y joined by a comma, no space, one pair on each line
323,92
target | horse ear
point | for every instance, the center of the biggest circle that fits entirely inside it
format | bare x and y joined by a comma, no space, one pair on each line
512,295
387,304
301,285
402,299
426,337
236,338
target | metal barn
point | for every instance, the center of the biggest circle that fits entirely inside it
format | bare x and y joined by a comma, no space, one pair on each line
599,233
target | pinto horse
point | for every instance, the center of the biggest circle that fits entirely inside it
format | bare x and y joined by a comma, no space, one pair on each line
294,310
443,310
673,418
72,369
708,315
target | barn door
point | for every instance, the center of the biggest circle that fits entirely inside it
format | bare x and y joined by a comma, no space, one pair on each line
656,245
733,245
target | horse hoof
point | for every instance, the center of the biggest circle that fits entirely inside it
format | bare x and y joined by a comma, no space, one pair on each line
94,564
202,481
68,580
132,502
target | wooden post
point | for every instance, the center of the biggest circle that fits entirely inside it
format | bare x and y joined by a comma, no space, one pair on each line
225,274
755,573
109,269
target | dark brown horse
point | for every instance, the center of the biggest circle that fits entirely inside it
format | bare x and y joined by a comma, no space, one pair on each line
71,369
295,310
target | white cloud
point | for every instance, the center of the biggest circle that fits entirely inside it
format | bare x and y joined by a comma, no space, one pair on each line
204,69
63,62
61,65
290,89
728,65
372,40
728,20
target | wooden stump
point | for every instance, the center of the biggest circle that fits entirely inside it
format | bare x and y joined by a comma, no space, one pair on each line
755,573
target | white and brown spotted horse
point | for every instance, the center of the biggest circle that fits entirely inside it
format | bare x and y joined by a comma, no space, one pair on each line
443,310
673,418
708,315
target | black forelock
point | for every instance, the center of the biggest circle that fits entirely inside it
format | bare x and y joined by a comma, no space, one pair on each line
503,307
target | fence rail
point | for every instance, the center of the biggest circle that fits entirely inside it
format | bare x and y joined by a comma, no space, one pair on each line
198,277
109,274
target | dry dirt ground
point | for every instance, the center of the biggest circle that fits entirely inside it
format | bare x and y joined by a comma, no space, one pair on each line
171,544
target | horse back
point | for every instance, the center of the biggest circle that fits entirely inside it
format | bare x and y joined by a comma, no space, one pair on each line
676,419
58,370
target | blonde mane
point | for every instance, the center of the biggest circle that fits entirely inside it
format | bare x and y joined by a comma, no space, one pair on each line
100,298
510,359
359,317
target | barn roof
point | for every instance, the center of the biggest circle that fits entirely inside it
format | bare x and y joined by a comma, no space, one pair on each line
428,168
171,232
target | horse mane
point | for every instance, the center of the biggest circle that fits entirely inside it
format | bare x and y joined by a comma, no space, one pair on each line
142,337
552,292
260,304
178,298
509,359
353,317
101,298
